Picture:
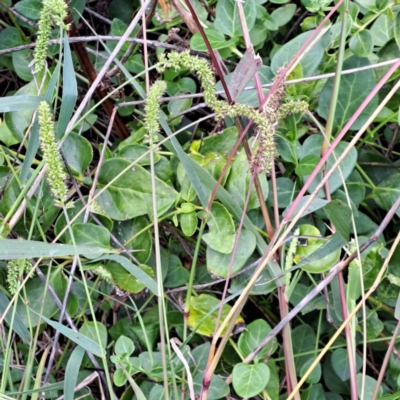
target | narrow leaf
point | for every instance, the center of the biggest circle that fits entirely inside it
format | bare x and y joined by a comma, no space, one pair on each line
72,371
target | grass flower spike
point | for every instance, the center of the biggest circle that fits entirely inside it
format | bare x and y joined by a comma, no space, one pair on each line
265,150
152,110
51,156
54,12
15,269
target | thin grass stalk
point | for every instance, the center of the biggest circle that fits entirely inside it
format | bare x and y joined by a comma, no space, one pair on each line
191,278
356,309
386,361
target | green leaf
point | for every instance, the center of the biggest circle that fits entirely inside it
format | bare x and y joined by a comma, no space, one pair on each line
312,145
177,275
218,388
83,337
287,149
315,204
134,151
218,263
370,384
307,165
238,183
361,44
18,325
227,17
387,192
149,335
29,8
250,380
189,223
309,63
313,244
339,214
71,372
77,152
11,249
141,274
91,235
396,28
124,345
315,375
10,37
130,195
215,37
354,88
252,337
141,243
283,15
200,306
221,235
21,61
286,192
382,30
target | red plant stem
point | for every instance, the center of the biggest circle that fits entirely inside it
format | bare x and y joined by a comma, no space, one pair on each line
210,50
339,137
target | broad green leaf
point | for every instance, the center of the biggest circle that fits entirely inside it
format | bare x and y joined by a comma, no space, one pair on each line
388,192
313,244
313,145
315,375
287,149
259,33
127,232
222,143
88,331
72,371
214,36
371,266
218,263
29,8
18,325
218,388
253,335
286,192
21,61
134,280
283,15
227,17
177,275
189,223
124,345
10,37
250,380
91,235
374,325
339,214
184,85
307,165
303,341
200,307
130,195
369,388
77,152
382,30
361,44
309,63
316,204
354,88
238,183
134,151
12,249
221,235
396,28
149,335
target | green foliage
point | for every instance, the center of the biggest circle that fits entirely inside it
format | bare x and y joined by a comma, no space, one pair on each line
132,279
